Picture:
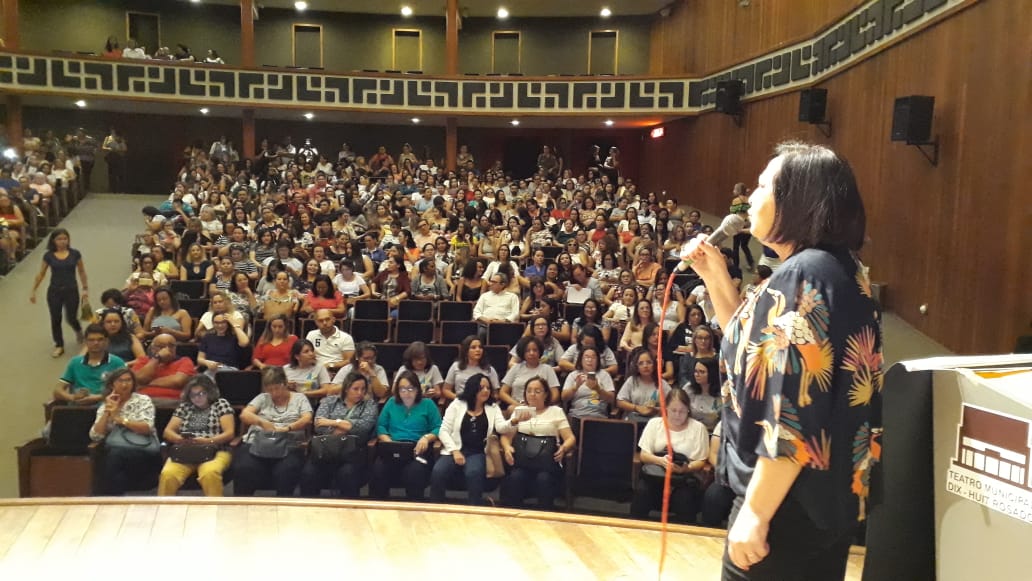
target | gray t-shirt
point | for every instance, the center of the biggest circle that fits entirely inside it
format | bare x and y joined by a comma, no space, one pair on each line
518,376
638,393
307,378
585,402
457,377
427,377
280,416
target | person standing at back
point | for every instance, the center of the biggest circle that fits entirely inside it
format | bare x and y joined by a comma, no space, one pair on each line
63,293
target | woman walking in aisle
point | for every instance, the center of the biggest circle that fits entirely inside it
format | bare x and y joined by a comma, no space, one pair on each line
63,292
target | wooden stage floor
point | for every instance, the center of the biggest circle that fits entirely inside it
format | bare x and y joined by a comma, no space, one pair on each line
277,539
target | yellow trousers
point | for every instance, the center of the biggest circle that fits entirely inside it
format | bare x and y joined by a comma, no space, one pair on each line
209,475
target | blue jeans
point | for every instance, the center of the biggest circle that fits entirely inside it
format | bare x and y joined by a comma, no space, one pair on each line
474,471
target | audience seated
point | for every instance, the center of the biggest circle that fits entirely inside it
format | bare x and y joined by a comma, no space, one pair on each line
410,418
333,347
468,422
364,364
125,423
350,416
275,244
271,456
537,449
689,458
198,436
161,372
470,361
82,382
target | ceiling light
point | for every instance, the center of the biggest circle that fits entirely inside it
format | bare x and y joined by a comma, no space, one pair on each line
609,122
80,103
503,13
309,116
406,11
301,6
606,13
196,1
514,122
204,110
415,119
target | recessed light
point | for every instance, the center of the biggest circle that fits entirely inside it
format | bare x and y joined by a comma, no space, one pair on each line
406,11
415,119
301,6
309,116
503,13
196,1
609,122
514,122
204,110
606,13
80,103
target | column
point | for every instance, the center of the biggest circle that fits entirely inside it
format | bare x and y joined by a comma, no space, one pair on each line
14,121
12,38
247,144
451,142
247,34
451,42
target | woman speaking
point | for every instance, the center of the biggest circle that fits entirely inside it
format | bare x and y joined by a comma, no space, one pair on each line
802,413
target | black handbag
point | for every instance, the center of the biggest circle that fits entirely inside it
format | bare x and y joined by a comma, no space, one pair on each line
192,453
658,473
535,452
271,445
333,449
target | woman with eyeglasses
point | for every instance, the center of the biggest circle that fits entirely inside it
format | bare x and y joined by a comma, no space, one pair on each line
202,418
406,417
125,423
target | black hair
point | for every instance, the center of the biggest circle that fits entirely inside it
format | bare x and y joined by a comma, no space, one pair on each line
330,290
713,371
295,351
94,329
521,345
764,271
112,294
817,201
472,388
413,379
201,380
591,330
464,352
51,246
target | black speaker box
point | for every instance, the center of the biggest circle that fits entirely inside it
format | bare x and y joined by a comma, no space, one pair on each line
912,119
729,94
813,105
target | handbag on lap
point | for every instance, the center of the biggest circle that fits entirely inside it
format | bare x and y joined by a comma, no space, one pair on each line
271,445
535,452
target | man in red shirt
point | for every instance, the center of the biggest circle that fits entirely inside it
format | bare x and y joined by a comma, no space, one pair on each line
163,374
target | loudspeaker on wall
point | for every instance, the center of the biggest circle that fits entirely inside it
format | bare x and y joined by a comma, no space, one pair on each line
813,105
729,94
912,119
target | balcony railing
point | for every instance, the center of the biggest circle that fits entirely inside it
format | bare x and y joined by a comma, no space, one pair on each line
866,30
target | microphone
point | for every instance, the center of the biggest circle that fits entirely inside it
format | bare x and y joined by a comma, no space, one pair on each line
731,225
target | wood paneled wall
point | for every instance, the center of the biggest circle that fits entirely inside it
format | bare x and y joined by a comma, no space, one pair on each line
701,36
956,237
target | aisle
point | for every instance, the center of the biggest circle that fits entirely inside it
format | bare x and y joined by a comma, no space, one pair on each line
102,228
